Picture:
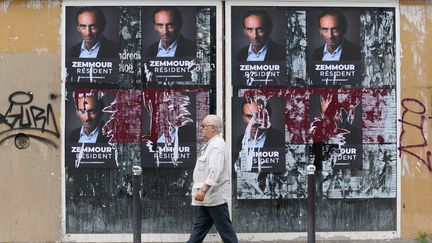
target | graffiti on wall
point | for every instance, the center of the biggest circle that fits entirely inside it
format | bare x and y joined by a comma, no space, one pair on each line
22,116
412,124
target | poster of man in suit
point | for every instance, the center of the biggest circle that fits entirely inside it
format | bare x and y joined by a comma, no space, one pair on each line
258,141
92,44
334,51
258,51
169,43
87,143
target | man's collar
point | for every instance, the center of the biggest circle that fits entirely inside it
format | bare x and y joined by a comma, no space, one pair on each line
101,123
173,45
336,50
261,135
97,45
82,132
216,135
250,51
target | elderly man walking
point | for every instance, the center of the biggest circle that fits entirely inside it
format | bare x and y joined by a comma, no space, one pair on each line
212,185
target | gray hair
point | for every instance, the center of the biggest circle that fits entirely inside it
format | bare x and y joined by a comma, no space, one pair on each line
215,121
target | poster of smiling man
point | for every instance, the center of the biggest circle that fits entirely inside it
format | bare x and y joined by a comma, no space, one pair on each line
92,44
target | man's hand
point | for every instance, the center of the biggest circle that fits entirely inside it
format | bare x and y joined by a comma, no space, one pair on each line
199,196
325,102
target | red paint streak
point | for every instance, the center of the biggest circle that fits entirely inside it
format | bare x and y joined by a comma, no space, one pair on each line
167,108
325,127
298,107
380,139
296,111
124,125
375,110
419,111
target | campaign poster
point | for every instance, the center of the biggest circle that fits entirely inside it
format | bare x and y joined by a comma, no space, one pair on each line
258,141
336,125
258,46
87,142
173,116
178,44
334,51
92,44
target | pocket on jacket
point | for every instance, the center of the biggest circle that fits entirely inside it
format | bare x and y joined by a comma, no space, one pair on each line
201,162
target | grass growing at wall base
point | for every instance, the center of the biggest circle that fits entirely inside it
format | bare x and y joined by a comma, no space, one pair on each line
422,237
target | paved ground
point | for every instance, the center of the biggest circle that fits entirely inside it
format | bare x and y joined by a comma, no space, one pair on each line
342,241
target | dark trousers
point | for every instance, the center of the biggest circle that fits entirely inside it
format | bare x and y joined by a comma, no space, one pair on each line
205,217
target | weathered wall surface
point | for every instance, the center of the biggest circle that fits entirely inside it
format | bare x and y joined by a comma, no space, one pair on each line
30,103
415,119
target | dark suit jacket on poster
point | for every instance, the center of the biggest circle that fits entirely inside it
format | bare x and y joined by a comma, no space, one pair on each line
108,49
350,52
185,48
355,135
275,52
274,139
74,136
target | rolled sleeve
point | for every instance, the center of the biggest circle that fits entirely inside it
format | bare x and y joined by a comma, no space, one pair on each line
216,163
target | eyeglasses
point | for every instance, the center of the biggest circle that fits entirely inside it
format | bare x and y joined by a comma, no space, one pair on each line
203,125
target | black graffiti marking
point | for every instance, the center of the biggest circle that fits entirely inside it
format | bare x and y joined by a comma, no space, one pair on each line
20,93
20,115
53,96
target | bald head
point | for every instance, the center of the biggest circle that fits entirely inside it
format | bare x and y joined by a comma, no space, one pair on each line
211,126
216,121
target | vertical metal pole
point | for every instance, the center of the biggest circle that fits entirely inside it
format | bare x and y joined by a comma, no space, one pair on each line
136,203
311,203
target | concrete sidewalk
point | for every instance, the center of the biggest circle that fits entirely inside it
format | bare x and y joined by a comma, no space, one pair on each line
338,241
341,241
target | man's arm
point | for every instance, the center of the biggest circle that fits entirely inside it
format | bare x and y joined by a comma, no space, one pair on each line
200,195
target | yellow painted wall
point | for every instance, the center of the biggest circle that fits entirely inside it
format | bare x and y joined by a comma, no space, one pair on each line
30,179
416,95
